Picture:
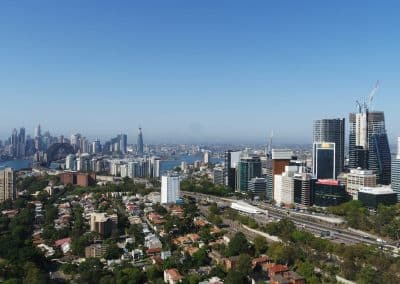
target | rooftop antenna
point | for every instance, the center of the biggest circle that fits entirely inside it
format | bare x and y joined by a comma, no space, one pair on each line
359,106
270,142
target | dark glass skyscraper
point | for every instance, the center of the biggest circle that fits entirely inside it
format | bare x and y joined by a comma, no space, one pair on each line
140,147
332,131
249,167
229,171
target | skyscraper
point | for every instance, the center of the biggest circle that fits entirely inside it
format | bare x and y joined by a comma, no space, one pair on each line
369,145
123,143
324,160
139,145
249,167
7,184
231,161
332,131
38,131
396,171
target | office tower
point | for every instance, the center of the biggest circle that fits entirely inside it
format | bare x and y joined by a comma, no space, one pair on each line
329,193
357,179
139,145
396,171
332,131
14,143
231,161
170,189
21,143
249,167
218,176
38,138
358,140
369,145
324,160
38,131
258,187
303,188
123,143
276,163
380,158
7,184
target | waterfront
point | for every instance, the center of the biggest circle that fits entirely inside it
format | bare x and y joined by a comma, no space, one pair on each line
168,165
16,164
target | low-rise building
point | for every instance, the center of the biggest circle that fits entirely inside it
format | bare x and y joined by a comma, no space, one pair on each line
103,224
358,179
172,276
371,197
95,250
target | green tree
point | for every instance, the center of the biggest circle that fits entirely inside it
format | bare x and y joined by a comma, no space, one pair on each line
260,245
200,258
33,275
113,252
236,277
153,273
237,245
244,264
367,275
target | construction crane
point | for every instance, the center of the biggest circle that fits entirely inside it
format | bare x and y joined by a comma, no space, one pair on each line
359,106
372,94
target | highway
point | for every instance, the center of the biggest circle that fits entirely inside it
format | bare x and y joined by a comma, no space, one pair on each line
308,222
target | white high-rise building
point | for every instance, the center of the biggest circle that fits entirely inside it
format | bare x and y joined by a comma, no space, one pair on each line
124,170
70,162
396,171
156,163
206,157
170,188
284,185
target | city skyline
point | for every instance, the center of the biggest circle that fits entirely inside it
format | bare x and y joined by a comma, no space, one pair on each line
194,71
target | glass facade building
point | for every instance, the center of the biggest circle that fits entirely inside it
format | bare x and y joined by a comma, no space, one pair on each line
332,131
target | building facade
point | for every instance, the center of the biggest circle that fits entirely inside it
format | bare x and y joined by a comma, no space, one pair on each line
369,145
396,171
170,188
329,193
358,179
332,131
324,160
7,184
249,167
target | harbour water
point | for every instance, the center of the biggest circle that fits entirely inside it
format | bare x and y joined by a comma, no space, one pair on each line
16,164
168,165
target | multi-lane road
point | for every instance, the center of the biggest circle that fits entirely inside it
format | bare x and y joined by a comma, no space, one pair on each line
315,224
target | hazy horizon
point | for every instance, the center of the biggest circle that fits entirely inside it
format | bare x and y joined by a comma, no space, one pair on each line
195,72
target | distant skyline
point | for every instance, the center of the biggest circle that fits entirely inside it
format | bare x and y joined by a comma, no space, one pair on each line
186,71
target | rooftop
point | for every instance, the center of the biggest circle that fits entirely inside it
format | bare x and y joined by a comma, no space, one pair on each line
377,190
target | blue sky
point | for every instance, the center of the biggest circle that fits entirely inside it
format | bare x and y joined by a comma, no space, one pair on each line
214,71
